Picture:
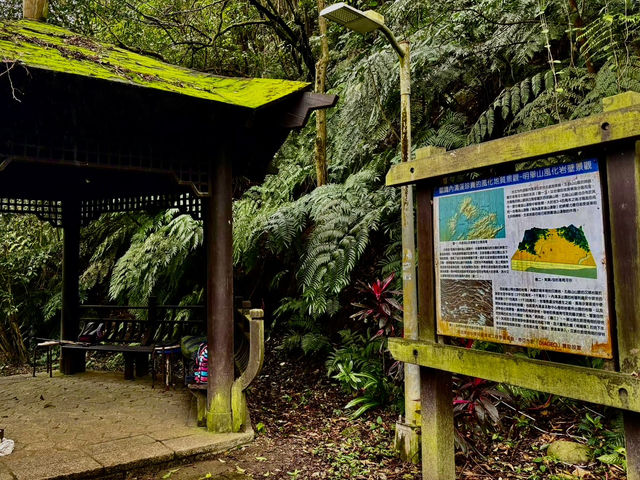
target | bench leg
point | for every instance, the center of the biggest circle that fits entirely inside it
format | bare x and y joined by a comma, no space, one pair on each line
142,364
153,369
201,407
128,366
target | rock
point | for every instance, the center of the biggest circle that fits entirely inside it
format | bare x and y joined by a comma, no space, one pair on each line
569,452
6,447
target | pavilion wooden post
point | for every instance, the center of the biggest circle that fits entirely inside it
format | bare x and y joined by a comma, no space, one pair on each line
218,227
70,362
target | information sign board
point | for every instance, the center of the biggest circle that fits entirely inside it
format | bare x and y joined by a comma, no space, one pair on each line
520,259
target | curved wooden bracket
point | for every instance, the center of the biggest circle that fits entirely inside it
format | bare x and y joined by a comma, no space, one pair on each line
254,365
256,349
297,115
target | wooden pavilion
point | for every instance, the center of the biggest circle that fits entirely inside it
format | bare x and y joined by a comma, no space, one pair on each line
88,128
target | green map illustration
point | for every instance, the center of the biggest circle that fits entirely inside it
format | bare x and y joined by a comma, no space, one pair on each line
555,251
472,216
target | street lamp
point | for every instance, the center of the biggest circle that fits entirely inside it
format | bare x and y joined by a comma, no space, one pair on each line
407,442
359,21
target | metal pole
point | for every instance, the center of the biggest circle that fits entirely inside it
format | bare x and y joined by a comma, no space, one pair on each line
407,439
401,48
218,227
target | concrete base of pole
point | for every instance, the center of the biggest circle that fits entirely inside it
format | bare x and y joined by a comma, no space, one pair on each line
407,442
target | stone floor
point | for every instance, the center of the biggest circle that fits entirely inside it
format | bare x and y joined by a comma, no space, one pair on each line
97,424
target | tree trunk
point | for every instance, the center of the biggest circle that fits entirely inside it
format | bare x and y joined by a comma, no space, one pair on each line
321,115
578,25
11,341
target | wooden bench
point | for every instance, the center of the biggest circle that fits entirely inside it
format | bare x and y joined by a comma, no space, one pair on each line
136,339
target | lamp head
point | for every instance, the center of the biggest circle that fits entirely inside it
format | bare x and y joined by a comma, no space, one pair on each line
352,18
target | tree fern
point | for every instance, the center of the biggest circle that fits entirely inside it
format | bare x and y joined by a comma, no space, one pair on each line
158,251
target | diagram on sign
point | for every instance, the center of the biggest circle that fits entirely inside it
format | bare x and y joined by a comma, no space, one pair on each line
477,215
469,302
555,251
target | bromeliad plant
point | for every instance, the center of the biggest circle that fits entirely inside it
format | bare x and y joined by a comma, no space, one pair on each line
379,306
475,407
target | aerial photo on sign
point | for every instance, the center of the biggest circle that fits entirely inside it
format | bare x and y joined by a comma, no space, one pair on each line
520,259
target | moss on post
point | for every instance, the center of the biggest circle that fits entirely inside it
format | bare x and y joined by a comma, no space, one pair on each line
218,418
201,408
619,390
239,408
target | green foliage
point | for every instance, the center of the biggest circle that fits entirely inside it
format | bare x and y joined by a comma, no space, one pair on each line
606,437
611,34
29,261
324,233
155,261
359,365
107,239
304,332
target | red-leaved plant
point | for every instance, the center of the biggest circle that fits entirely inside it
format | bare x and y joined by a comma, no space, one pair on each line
379,305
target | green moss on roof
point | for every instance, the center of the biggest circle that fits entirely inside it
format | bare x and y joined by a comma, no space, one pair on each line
48,47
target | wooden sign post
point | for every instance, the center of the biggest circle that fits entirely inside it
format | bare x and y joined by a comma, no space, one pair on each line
544,256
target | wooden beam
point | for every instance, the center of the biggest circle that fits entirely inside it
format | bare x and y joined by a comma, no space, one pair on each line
595,130
618,390
297,116
426,266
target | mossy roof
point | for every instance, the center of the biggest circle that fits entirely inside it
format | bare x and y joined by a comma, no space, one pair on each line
43,46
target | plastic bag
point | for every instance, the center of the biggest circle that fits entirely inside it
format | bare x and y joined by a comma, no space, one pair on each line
6,447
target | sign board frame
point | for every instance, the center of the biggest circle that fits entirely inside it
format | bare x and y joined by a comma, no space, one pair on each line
612,137
521,259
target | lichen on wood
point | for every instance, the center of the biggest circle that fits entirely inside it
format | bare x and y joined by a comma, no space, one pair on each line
48,47
614,389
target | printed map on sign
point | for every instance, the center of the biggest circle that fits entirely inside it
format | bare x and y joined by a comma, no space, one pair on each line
557,251
471,216
520,259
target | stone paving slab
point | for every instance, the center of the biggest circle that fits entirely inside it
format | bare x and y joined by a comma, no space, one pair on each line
200,443
50,465
95,424
131,452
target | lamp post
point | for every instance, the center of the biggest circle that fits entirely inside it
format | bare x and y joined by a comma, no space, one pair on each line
407,441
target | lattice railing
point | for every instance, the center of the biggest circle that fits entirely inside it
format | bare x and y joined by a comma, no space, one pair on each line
51,210
185,202
47,210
